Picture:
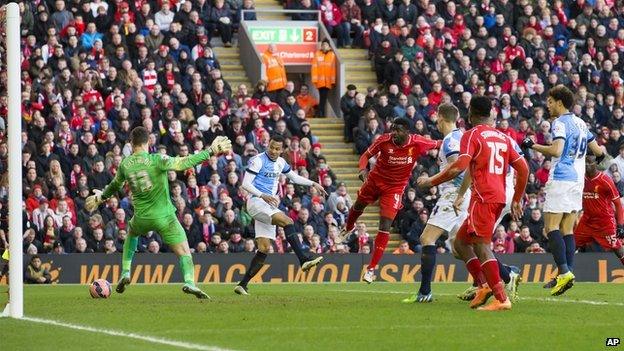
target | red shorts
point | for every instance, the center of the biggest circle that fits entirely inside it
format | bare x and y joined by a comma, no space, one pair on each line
606,238
389,196
479,225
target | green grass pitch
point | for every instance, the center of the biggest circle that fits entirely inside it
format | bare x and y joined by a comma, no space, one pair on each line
336,317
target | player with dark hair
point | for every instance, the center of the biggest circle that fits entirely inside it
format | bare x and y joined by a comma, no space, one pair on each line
602,209
261,181
146,175
488,153
397,153
564,189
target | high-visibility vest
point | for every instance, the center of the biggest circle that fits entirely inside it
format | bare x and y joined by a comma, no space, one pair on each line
275,71
323,69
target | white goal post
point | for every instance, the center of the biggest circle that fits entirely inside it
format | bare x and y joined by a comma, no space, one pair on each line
14,128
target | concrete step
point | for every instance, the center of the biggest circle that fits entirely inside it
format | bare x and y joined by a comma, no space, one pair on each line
235,73
232,67
345,177
325,121
230,54
334,157
220,50
330,138
361,76
342,151
353,53
344,170
355,66
361,82
330,126
328,132
353,164
340,145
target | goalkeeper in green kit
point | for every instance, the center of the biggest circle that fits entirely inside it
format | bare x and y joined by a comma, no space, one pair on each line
146,175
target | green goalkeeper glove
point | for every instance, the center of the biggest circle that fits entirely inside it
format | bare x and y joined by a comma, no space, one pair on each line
93,201
220,145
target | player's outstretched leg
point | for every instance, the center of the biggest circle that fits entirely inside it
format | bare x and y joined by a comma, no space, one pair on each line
354,213
305,259
129,248
254,267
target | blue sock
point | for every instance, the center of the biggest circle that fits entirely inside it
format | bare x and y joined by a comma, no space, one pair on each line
428,260
570,249
504,272
295,243
557,249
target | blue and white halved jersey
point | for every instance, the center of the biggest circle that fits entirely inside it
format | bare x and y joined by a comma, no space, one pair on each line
267,172
570,166
450,147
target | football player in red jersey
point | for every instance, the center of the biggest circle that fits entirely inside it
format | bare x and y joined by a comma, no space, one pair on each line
488,153
397,153
602,207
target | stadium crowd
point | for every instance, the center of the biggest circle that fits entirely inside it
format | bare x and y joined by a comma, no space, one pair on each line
93,70
428,52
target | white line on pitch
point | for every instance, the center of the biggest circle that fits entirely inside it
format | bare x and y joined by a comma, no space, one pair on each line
146,338
543,299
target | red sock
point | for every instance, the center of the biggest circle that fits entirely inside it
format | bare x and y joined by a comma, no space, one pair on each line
351,218
490,269
381,241
474,268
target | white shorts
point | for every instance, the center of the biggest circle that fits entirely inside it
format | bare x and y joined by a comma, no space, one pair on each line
443,215
563,196
262,212
509,192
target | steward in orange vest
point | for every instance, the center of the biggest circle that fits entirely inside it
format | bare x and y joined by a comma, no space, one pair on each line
323,73
275,70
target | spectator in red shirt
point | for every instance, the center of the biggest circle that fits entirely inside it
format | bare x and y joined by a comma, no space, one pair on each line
510,85
436,95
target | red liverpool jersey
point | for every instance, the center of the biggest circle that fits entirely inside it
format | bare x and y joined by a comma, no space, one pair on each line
395,163
491,152
598,196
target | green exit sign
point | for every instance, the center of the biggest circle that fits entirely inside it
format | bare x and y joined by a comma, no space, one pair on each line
266,35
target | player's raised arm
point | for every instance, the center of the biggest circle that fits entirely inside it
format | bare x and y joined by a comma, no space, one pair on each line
297,179
220,145
555,149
